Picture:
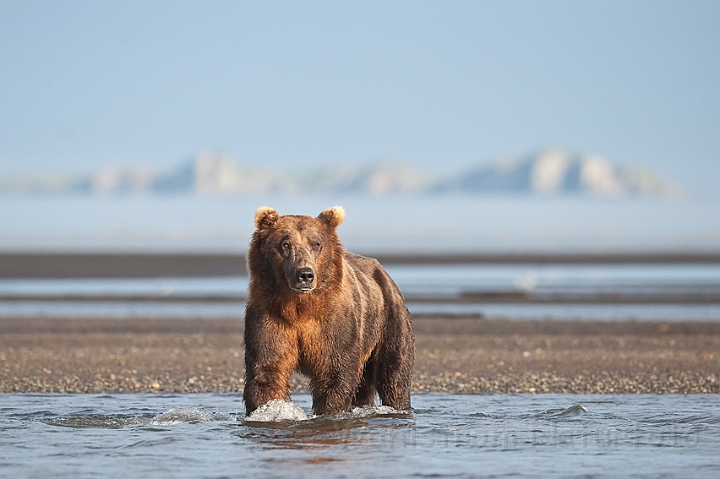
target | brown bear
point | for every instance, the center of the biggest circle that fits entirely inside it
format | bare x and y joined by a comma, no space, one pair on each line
334,316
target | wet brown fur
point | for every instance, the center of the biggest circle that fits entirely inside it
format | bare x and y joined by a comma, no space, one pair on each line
351,335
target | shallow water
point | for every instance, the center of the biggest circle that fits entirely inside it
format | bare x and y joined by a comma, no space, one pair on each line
205,435
572,312
429,289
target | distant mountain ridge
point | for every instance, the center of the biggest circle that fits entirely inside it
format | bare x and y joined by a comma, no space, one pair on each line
556,171
548,172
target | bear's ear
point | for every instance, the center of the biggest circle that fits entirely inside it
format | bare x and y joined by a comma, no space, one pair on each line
265,217
332,216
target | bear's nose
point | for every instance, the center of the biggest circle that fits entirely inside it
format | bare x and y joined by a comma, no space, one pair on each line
305,275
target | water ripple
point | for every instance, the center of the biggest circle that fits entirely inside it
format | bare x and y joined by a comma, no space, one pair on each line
576,410
169,417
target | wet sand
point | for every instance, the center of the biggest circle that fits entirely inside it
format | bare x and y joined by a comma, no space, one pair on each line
454,354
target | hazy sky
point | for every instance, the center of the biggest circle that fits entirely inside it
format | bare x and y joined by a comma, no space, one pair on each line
440,84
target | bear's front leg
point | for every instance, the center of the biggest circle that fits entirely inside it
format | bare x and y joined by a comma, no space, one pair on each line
334,391
265,383
270,357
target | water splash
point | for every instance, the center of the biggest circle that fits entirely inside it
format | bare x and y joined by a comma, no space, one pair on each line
178,415
277,410
368,411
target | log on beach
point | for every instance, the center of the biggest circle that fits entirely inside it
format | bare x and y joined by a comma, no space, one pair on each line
454,354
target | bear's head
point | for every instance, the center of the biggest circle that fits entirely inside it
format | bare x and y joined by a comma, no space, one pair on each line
301,251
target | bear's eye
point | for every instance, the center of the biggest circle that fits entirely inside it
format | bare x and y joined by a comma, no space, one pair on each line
317,246
286,245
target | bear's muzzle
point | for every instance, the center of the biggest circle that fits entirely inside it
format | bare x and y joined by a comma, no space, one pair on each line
304,280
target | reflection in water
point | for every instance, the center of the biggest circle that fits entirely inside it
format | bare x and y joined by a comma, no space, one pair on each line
325,440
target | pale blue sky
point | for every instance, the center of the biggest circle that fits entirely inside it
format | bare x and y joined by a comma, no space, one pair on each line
440,84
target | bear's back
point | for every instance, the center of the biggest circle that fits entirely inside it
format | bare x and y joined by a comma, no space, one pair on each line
370,270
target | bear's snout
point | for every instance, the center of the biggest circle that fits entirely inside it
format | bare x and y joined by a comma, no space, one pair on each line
304,280
305,276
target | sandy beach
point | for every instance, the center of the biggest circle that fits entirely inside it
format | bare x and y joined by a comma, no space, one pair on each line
454,354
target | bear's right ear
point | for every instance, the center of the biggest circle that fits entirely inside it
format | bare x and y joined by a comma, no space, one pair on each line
265,217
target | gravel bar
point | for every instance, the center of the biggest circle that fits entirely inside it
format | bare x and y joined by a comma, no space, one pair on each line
454,354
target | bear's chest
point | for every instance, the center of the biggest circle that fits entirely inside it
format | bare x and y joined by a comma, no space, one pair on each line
314,346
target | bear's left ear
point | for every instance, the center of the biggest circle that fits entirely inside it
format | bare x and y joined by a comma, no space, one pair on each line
332,216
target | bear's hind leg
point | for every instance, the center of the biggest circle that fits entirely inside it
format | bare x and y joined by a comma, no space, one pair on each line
365,394
394,386
396,358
